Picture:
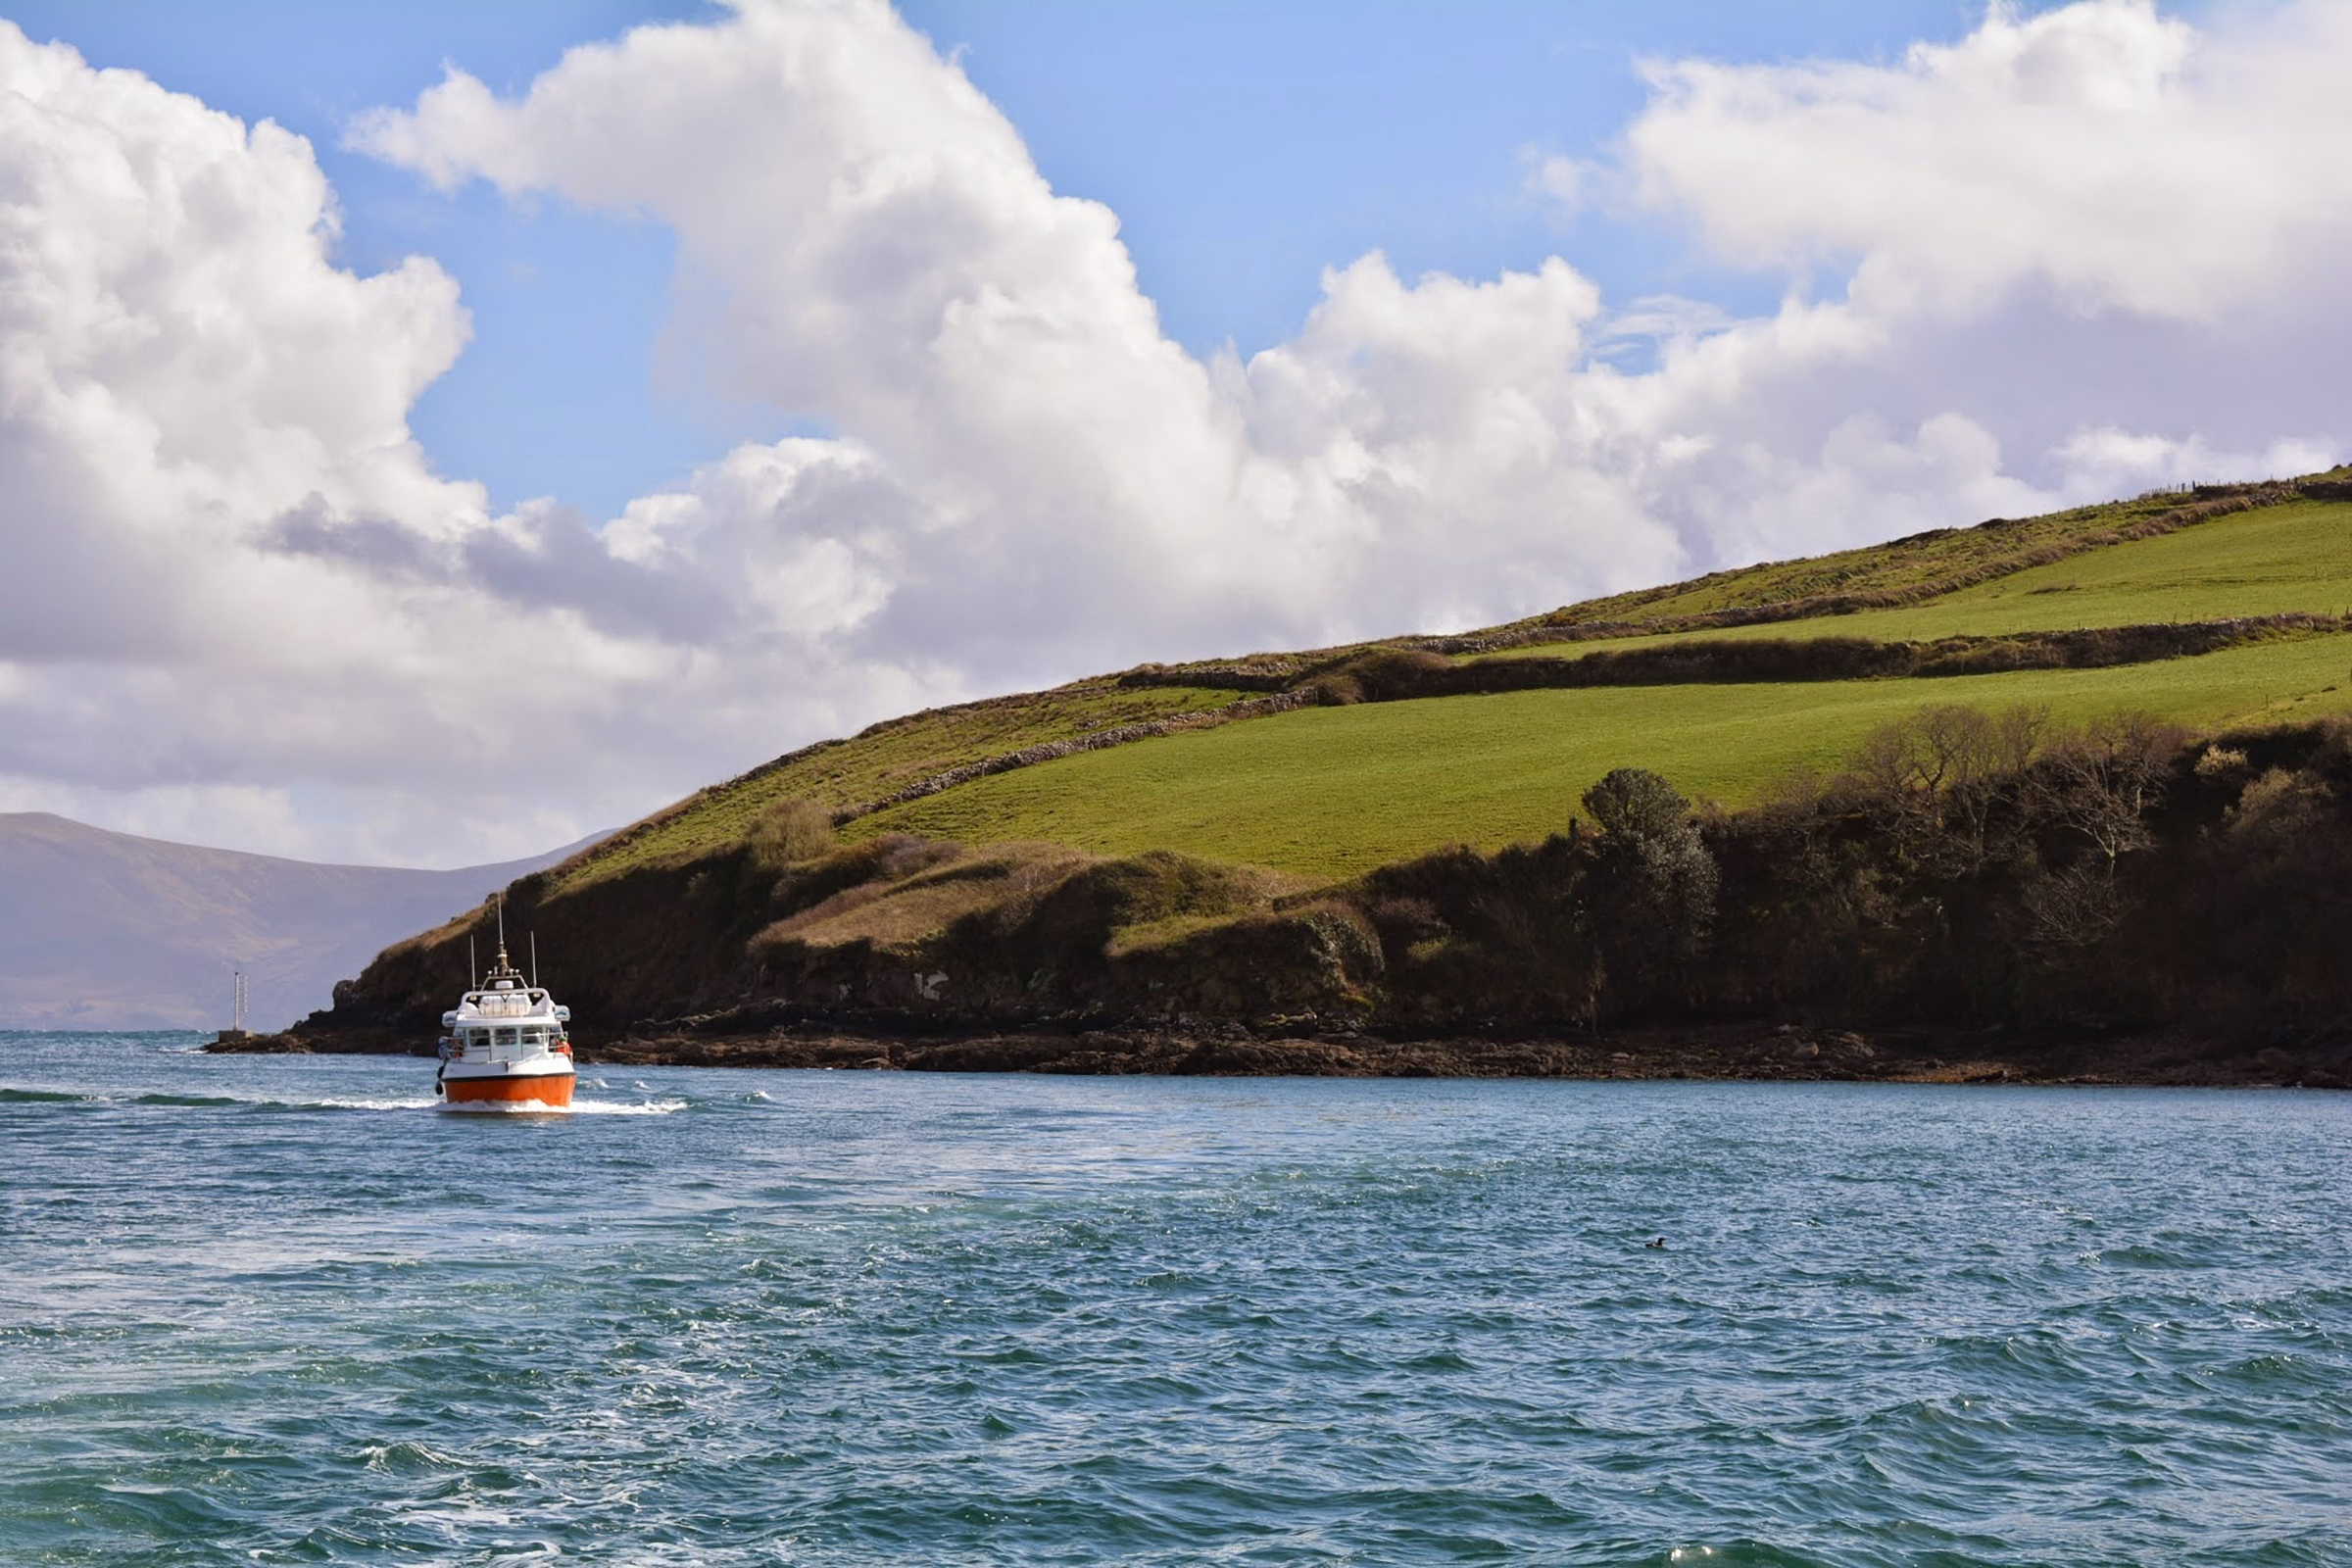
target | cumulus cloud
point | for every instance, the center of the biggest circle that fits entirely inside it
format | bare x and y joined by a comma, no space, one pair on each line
2068,255
870,244
236,592
2110,153
2067,225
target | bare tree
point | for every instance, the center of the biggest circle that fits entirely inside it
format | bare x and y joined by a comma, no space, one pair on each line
1934,779
2100,782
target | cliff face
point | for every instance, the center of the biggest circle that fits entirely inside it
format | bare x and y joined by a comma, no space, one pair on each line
2110,881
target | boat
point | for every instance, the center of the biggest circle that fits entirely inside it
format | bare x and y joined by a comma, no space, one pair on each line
507,1042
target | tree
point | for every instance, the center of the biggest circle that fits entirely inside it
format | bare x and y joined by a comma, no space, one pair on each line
2099,783
1934,779
1651,891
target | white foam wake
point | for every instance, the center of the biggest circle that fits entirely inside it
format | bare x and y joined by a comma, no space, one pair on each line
579,1108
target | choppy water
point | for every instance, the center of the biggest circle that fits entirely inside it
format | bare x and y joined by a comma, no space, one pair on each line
270,1309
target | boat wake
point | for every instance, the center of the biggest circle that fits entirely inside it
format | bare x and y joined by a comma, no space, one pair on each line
526,1108
579,1108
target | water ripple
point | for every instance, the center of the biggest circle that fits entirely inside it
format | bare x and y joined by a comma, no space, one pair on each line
756,1317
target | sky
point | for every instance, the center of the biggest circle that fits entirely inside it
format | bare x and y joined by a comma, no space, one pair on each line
433,433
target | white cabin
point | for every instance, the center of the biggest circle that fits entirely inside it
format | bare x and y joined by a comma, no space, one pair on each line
504,1021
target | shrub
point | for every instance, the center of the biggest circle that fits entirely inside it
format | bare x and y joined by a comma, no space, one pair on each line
2281,805
1335,689
1633,804
790,831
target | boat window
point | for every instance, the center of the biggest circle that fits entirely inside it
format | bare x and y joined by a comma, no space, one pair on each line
535,1036
505,1037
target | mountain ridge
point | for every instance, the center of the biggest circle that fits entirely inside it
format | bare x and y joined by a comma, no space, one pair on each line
107,930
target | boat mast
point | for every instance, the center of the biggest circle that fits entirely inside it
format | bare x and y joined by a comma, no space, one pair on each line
534,960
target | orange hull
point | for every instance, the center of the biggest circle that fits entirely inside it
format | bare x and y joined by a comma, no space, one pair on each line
547,1088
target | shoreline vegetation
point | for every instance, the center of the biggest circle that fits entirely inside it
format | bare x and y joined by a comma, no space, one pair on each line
2118,902
1964,891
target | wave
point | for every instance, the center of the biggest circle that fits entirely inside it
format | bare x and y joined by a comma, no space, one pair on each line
579,1108
272,1101
67,1097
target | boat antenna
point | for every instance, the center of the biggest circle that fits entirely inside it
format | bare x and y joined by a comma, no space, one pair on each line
534,958
470,971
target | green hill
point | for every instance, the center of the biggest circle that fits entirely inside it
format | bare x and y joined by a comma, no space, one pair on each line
2291,557
1327,792
1331,792
1379,832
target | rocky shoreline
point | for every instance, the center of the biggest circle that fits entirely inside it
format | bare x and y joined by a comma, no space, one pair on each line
1767,1053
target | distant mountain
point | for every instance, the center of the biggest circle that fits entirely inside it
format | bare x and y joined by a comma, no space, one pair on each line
103,930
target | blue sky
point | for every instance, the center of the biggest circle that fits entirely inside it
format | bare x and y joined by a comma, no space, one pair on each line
1246,148
874,359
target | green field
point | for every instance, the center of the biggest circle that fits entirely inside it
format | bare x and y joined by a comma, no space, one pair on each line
1900,565
1331,791
1335,791
2296,557
888,758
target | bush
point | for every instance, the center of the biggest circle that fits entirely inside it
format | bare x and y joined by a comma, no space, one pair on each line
1651,897
1633,804
790,831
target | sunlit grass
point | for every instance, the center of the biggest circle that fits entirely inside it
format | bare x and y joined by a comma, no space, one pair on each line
890,758
1330,792
2296,557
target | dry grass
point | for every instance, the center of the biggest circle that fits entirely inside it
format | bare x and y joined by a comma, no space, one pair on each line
896,917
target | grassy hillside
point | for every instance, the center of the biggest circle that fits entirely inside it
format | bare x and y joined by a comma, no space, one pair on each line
1328,791
1335,791
886,757
1238,844
2295,556
1944,559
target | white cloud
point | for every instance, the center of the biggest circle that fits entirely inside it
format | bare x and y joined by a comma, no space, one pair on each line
868,242
1567,183
2101,148
2107,461
2070,255
235,592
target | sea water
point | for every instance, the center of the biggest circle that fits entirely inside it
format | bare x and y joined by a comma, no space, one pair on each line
285,1309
